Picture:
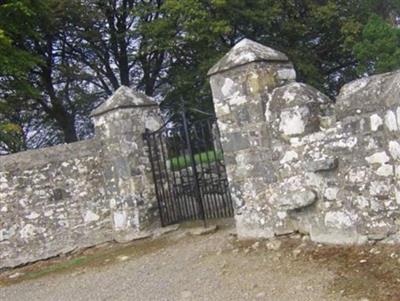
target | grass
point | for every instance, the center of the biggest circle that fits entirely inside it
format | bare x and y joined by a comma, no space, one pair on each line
58,267
180,162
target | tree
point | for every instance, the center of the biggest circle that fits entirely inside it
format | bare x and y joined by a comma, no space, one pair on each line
45,84
189,35
112,46
320,37
379,49
59,59
60,83
14,63
80,52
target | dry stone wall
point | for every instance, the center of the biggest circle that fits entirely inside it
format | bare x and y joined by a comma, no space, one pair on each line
298,162
52,201
58,199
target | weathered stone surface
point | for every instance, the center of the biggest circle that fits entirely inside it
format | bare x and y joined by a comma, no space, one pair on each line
337,237
248,228
296,94
130,190
296,109
241,87
236,141
203,231
58,199
124,98
122,237
296,200
247,51
289,179
53,201
370,95
322,165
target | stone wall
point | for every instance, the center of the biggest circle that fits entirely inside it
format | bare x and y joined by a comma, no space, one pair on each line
58,199
298,162
52,201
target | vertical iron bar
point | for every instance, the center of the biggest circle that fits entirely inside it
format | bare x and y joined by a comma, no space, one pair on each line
146,137
191,204
180,196
195,175
165,199
206,204
171,196
213,202
226,182
221,183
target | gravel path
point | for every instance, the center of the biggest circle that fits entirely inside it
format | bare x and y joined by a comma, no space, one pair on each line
185,267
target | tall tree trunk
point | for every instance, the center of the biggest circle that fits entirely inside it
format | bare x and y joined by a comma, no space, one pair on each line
66,122
124,64
122,44
64,119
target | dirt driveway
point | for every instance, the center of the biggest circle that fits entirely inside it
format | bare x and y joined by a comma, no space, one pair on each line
180,266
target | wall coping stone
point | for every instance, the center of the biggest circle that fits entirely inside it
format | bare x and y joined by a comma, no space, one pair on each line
38,157
246,52
124,98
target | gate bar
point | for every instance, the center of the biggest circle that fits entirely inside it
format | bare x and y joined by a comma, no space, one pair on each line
146,136
195,175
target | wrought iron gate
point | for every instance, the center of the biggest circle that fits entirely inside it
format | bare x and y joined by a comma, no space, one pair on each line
188,170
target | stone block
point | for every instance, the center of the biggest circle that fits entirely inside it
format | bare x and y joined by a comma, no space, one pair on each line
369,95
296,200
327,164
337,237
248,229
233,142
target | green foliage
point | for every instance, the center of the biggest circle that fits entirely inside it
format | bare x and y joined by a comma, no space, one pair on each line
318,36
60,58
379,49
14,20
11,135
181,162
189,33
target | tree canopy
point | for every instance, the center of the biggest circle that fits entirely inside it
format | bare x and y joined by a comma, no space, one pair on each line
60,58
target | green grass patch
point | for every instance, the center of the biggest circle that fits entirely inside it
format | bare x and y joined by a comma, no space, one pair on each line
59,267
180,162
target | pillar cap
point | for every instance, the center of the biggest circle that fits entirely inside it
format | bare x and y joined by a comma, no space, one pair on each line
245,52
124,98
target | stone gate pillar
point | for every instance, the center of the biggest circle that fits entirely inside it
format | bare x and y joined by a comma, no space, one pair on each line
119,125
241,83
